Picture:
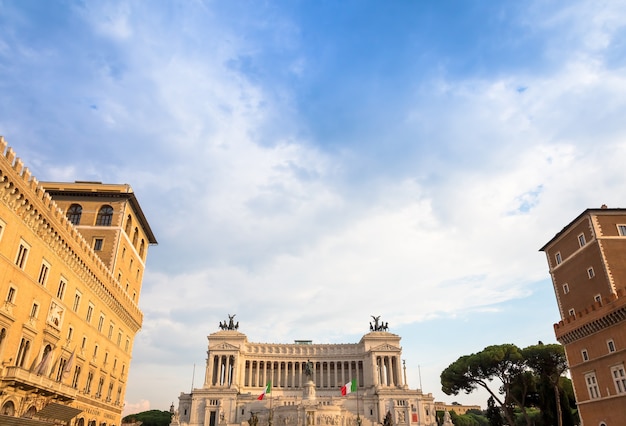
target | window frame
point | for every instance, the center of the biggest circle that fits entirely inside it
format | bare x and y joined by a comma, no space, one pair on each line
90,310
591,382
3,225
44,272
585,355
618,374
558,258
11,294
98,243
582,240
105,215
77,298
621,229
22,254
610,344
61,288
565,288
590,272
74,213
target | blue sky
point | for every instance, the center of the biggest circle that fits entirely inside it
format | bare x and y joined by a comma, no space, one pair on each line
307,164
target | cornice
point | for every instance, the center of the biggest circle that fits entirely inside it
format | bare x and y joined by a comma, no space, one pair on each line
28,200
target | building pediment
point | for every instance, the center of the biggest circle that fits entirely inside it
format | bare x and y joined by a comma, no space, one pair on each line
223,346
385,347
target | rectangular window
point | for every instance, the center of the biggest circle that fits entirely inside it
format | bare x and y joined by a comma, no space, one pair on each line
34,310
76,377
100,323
22,255
597,298
83,345
70,332
585,355
590,273
89,312
592,385
622,230
88,383
11,295
76,302
581,240
95,352
111,327
572,313
558,258
22,353
619,378
611,345
43,273
119,338
565,288
97,244
61,290
100,385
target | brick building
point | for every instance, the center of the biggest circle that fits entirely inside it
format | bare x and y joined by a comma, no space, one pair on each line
587,263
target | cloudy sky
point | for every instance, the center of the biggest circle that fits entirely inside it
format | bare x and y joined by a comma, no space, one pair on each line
307,164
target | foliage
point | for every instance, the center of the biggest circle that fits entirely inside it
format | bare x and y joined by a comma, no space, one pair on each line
468,419
150,418
529,383
503,362
493,413
549,363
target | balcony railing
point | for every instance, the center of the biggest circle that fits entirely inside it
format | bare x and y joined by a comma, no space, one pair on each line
24,379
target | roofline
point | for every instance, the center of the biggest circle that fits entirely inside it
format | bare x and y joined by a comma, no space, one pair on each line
584,213
122,190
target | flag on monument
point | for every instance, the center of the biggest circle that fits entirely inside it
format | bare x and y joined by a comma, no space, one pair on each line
268,389
348,387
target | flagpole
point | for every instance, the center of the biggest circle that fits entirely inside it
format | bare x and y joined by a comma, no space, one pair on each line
270,416
358,417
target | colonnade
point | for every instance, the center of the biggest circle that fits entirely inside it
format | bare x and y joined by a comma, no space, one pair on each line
222,370
388,369
291,374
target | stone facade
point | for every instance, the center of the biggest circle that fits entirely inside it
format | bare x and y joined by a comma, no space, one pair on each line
587,262
72,257
306,381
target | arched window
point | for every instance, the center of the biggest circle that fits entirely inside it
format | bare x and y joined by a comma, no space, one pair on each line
135,237
30,412
142,247
8,409
80,422
105,216
74,213
129,224
3,334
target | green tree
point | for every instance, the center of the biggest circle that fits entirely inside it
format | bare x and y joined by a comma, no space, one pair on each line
493,413
503,362
150,418
549,363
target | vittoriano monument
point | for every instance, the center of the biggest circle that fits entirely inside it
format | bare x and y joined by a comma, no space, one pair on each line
304,383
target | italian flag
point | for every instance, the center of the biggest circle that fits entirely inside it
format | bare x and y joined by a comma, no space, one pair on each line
348,388
268,389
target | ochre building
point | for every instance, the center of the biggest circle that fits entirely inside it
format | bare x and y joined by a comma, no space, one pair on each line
587,262
72,259
306,381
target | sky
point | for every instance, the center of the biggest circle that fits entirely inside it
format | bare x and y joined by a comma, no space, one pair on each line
307,164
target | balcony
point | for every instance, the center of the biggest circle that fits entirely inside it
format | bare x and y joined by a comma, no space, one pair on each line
24,380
